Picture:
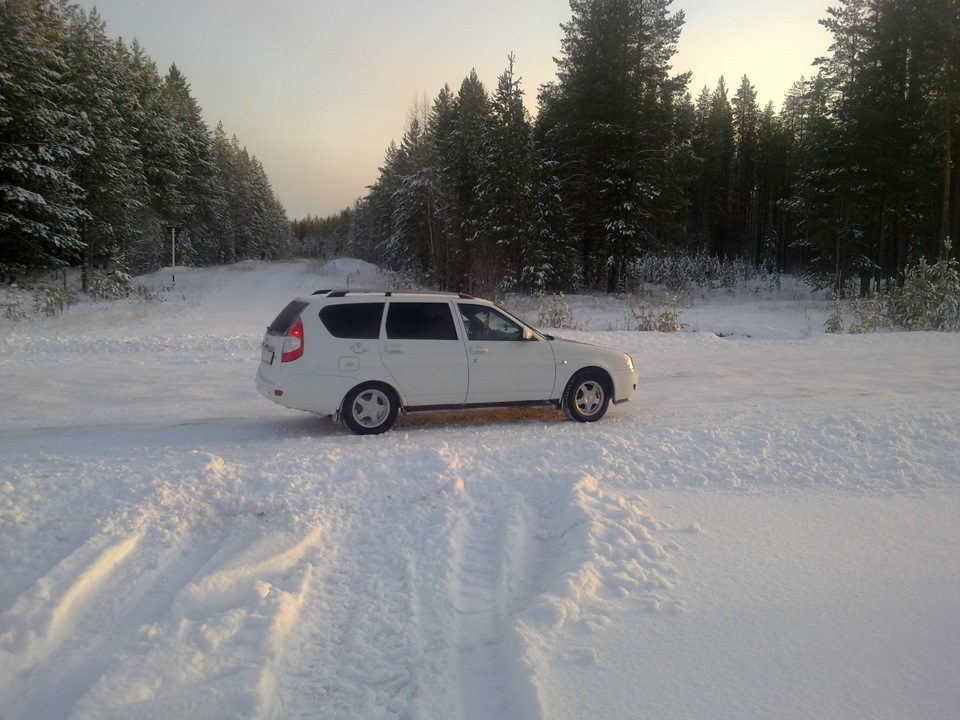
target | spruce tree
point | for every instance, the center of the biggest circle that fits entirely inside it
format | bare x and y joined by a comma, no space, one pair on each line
198,197
416,227
506,193
157,136
111,173
42,137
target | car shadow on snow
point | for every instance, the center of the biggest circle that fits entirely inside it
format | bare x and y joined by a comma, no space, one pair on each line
462,419
432,420
477,418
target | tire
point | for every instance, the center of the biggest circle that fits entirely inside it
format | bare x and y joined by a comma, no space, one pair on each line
369,409
586,397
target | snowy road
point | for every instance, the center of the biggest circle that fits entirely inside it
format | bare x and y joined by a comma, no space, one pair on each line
767,530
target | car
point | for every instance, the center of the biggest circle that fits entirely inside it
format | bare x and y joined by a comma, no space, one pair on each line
364,357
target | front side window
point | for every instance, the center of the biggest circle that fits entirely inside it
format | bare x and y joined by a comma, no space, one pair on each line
420,321
486,323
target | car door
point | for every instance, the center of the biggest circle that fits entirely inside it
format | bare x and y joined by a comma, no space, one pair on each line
424,353
505,363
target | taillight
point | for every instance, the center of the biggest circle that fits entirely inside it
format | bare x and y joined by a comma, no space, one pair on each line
293,342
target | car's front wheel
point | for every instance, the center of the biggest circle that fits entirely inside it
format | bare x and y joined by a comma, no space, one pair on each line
369,409
586,397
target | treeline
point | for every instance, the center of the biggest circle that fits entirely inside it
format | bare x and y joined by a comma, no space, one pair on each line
100,156
855,178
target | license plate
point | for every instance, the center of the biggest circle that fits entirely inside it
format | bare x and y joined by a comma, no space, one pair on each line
266,354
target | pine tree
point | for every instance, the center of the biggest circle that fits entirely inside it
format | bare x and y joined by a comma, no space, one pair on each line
608,124
714,145
776,150
869,202
746,219
463,162
444,237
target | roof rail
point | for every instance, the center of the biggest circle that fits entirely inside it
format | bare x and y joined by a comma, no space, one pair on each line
389,293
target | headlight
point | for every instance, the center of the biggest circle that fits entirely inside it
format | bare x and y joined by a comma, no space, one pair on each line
629,361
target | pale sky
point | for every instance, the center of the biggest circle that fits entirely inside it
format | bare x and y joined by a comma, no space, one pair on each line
317,89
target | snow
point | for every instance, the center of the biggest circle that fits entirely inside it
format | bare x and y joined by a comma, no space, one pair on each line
767,530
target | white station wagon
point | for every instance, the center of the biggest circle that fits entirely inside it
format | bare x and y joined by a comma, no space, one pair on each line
362,357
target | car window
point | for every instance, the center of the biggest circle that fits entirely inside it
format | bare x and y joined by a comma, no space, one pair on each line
420,321
486,323
353,320
288,316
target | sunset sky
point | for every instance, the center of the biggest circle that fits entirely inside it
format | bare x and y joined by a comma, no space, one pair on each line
317,89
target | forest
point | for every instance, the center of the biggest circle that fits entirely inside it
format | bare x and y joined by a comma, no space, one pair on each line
854,180
102,159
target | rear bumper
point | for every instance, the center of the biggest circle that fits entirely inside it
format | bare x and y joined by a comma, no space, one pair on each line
268,389
318,394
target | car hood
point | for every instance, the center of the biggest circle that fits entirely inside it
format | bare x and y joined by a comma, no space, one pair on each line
563,347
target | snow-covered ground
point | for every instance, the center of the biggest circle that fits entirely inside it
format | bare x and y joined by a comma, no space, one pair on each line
769,529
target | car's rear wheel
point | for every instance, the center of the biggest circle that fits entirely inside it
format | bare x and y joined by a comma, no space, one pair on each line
369,409
586,397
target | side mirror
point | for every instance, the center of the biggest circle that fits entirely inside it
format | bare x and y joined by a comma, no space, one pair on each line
528,333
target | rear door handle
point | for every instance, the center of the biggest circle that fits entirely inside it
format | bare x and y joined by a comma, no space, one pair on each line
479,349
393,348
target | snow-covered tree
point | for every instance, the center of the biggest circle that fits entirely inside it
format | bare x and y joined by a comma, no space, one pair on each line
111,173
42,137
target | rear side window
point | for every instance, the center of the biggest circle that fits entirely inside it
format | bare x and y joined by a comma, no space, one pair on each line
353,320
420,321
288,316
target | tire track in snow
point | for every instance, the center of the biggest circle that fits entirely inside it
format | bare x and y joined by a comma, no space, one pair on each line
216,648
373,637
112,584
40,618
492,679
124,619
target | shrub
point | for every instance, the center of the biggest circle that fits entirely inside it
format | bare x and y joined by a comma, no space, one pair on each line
647,319
868,315
669,318
834,323
681,272
50,301
111,285
13,305
554,313
929,298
